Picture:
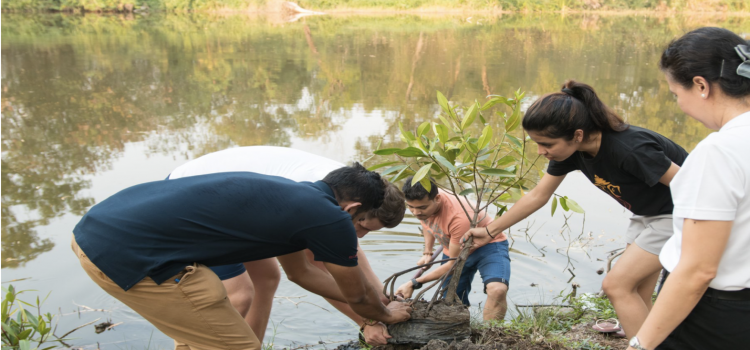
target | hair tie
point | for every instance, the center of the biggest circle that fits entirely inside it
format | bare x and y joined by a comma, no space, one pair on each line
567,91
743,69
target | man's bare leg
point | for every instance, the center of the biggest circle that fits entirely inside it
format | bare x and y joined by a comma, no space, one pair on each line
265,276
626,283
496,304
240,292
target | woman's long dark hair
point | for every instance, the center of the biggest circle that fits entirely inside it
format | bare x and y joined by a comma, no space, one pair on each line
707,52
560,114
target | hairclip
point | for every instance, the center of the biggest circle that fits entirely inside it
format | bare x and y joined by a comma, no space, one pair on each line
744,68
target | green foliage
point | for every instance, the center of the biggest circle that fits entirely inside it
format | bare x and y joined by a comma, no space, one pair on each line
23,329
492,165
506,5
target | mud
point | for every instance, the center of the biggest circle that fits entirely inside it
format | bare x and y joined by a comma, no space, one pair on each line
442,322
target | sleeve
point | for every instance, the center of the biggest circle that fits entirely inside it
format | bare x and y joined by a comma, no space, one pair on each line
709,186
457,227
335,243
647,163
563,167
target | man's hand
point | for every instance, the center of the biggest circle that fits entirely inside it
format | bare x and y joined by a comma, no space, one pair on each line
400,312
377,334
424,260
481,238
405,290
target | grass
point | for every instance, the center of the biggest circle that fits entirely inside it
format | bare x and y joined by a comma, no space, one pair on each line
549,327
382,5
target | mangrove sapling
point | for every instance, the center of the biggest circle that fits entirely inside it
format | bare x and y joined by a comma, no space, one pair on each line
472,161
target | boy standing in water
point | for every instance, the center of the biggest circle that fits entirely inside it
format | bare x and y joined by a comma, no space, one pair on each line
444,219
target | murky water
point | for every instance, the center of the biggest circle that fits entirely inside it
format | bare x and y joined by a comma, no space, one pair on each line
93,104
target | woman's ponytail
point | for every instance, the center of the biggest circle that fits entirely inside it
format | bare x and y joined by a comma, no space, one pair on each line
576,106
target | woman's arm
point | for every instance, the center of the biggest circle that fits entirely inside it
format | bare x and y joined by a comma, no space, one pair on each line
525,206
666,179
703,243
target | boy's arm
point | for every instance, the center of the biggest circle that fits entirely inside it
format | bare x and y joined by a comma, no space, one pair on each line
429,244
407,288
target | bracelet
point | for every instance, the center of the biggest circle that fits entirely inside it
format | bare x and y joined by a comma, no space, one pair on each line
488,232
369,322
427,253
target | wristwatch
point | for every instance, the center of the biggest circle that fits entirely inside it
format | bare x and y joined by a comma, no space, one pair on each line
635,344
415,284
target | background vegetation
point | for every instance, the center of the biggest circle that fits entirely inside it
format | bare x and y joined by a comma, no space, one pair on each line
389,5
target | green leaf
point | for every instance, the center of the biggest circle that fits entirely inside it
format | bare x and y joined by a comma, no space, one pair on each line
444,162
493,101
484,140
461,165
497,172
405,172
421,173
24,344
31,318
513,139
554,205
410,152
394,169
442,132
505,161
426,184
8,329
381,165
386,151
422,129
564,204
25,334
406,134
466,192
446,123
574,206
502,210
469,116
515,119
443,102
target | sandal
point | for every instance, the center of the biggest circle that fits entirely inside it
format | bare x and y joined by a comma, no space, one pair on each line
611,325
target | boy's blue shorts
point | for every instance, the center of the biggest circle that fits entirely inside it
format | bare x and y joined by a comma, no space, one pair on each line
493,263
226,272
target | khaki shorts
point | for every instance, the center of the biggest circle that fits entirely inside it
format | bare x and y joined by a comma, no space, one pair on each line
191,307
650,232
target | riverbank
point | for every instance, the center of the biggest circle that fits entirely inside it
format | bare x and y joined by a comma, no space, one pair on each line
630,7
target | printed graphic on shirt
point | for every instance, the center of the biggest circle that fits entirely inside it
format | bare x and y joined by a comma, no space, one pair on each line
611,189
436,232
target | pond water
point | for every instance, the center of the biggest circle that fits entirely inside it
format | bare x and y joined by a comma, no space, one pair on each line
93,104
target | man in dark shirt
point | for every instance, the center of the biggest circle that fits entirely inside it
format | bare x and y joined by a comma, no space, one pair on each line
149,246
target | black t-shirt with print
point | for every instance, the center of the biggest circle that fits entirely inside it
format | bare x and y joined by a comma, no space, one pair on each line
628,167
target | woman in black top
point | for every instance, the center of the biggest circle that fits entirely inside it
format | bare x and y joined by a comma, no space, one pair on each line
576,131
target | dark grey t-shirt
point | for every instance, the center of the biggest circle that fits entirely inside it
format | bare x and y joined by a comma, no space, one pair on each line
157,228
628,167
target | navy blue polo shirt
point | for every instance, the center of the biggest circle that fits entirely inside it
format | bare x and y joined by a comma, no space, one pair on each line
157,228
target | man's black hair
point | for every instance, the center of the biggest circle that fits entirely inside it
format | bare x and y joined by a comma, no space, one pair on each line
417,191
357,184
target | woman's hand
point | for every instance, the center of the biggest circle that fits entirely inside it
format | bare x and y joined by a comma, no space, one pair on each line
481,237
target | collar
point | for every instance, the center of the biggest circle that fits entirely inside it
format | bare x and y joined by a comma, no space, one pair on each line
323,187
740,120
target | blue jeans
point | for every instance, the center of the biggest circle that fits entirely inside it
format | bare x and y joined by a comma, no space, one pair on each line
493,263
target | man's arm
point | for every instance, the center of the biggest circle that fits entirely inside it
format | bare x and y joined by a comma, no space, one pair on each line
372,278
363,298
300,271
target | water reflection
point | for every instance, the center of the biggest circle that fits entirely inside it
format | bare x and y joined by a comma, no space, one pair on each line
77,90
